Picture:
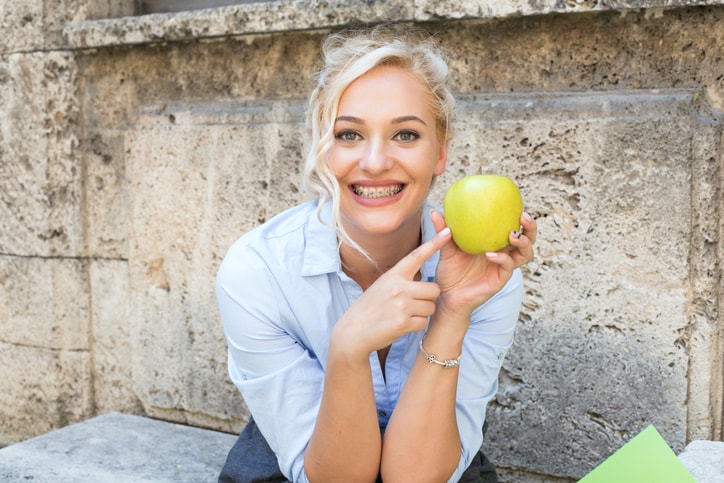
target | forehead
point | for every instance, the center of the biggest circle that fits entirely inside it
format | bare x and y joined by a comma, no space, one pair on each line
384,89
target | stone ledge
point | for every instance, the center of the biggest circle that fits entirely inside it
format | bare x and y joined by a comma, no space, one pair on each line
285,15
120,448
243,19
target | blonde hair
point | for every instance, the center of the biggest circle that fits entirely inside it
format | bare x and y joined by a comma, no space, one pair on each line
348,56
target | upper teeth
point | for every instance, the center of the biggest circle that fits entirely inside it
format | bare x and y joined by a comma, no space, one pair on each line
377,192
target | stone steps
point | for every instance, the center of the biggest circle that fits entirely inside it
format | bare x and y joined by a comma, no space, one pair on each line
118,448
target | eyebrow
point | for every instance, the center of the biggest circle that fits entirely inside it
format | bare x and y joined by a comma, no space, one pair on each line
397,120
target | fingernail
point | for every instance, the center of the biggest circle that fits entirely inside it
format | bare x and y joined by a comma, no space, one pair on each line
517,234
444,232
527,217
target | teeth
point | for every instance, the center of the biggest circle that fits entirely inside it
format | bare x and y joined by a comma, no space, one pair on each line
377,192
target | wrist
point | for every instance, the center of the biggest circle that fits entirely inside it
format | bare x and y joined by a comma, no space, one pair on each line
446,308
454,322
460,303
431,358
343,347
444,341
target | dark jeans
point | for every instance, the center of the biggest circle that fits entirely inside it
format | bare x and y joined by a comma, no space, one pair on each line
252,461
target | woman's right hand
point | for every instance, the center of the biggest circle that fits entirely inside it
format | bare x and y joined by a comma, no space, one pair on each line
394,305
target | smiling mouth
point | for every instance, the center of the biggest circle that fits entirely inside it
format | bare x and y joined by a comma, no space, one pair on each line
377,191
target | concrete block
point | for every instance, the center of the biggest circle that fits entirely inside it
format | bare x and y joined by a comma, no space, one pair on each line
119,448
704,460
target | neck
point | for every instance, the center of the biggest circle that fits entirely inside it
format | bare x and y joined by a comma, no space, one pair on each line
383,250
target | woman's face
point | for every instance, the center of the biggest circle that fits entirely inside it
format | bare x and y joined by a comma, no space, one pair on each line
386,152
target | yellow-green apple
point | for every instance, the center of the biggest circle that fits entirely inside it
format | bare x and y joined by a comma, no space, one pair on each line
481,211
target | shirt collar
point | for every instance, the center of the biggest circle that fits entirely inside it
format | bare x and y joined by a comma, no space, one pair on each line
321,251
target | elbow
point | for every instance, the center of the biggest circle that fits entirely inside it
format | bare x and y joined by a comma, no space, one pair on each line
418,474
322,474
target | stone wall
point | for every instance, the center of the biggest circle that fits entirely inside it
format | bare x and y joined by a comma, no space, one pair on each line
134,150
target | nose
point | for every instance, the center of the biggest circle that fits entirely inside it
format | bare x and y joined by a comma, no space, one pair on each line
376,158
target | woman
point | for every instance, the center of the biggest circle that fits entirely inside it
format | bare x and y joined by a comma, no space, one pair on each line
366,344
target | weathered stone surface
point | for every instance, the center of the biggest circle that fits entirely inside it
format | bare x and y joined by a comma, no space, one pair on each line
590,52
113,350
602,335
119,448
263,17
199,177
126,172
37,25
704,460
43,389
40,176
702,334
106,195
44,303
247,18
44,345
21,26
104,9
458,9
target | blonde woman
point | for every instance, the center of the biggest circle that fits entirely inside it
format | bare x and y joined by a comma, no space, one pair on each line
365,344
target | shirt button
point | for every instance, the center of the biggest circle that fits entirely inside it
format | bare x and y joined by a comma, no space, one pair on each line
382,414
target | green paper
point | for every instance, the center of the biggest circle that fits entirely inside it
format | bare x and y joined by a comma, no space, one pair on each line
645,459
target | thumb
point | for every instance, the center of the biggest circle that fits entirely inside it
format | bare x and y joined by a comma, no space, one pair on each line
411,264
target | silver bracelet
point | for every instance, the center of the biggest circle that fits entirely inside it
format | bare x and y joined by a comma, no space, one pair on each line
431,359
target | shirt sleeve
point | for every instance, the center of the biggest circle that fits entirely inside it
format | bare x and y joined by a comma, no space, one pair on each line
280,380
487,341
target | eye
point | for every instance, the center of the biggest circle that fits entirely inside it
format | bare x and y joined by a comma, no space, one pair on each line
347,135
407,136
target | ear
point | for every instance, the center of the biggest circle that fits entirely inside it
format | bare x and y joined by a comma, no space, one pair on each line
441,162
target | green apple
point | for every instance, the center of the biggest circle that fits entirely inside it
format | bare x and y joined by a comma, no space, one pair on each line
481,211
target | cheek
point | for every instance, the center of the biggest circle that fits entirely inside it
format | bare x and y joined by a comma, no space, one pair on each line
340,161
435,165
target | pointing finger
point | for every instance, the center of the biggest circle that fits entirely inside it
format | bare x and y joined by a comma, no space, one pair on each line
411,264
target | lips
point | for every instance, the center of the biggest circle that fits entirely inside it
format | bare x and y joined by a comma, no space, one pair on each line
377,191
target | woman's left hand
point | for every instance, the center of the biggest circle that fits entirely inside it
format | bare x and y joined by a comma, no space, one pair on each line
467,281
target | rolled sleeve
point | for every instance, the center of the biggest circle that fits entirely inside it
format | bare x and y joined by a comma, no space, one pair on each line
285,404
278,378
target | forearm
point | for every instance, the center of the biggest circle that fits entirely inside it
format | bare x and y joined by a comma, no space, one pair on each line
422,441
346,443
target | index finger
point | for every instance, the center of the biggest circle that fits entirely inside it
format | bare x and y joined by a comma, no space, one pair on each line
411,264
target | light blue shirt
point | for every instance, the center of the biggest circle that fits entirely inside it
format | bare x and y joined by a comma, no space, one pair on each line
281,289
